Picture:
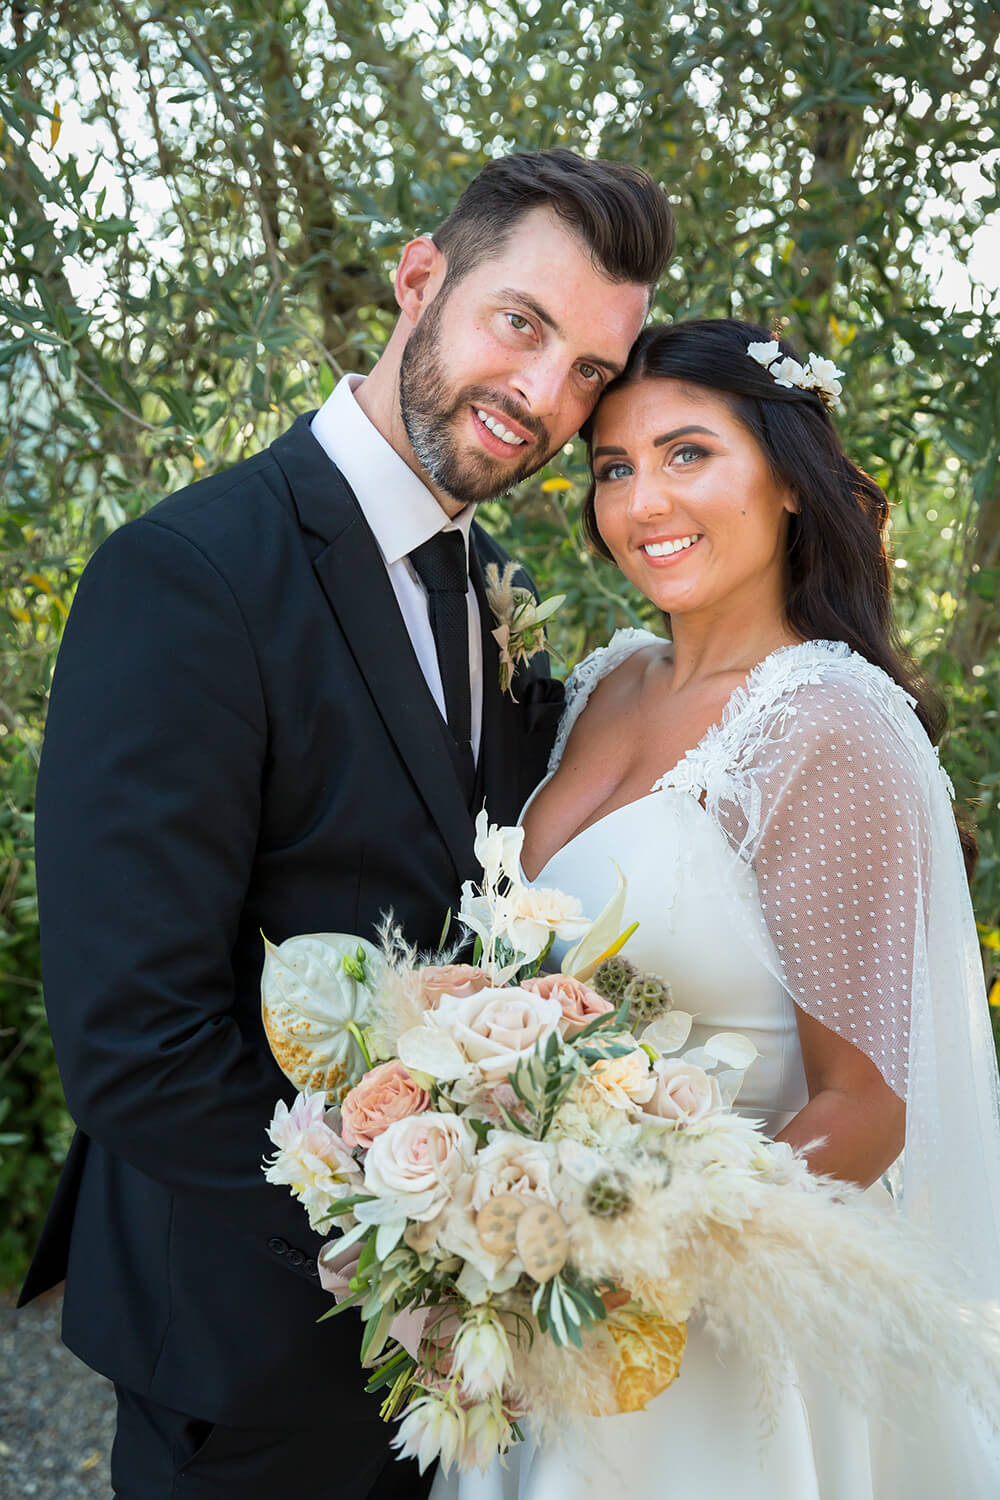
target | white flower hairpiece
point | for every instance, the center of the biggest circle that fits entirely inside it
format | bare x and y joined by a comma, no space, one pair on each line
817,374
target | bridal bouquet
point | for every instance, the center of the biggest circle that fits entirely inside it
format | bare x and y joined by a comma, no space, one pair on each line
537,1185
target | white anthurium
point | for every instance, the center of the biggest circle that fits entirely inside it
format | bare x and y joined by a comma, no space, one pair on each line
668,1033
731,1048
315,991
391,1208
581,959
430,1051
537,614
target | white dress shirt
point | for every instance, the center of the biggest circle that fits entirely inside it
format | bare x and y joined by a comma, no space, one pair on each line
402,513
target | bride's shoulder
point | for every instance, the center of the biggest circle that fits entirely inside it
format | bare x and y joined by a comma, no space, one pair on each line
824,695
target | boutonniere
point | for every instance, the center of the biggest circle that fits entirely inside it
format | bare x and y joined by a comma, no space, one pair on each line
520,618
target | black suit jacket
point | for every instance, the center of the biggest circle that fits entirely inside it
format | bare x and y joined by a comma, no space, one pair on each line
239,739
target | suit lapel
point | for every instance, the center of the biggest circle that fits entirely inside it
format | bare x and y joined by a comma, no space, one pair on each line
497,782
353,577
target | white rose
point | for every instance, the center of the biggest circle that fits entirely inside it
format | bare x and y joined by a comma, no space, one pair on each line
683,1092
419,1160
496,1028
512,1163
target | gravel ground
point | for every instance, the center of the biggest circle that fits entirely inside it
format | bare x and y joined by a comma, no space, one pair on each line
56,1416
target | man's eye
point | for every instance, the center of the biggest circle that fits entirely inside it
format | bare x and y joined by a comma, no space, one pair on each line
518,322
590,373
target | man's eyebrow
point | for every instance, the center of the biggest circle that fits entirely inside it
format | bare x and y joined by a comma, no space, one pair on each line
512,294
668,437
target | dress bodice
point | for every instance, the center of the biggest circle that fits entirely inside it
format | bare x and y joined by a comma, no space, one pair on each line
691,897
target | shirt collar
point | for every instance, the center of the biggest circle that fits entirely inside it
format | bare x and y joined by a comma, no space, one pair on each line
397,505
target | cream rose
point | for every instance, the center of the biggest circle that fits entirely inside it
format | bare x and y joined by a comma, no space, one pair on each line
682,1092
578,1002
420,1159
511,1163
495,1028
624,1081
385,1094
450,979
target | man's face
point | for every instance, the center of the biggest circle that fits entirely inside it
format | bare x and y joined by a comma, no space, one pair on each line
505,365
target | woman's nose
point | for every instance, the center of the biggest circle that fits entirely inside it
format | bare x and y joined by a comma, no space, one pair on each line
649,497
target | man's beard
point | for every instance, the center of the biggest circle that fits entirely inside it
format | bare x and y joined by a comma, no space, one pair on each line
432,415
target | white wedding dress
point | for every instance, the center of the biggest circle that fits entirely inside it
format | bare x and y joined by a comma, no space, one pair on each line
805,847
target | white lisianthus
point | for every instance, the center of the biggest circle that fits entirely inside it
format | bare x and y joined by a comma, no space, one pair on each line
511,1163
415,1164
433,1427
481,1357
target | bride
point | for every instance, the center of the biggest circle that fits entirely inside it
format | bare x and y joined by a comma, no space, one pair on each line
767,783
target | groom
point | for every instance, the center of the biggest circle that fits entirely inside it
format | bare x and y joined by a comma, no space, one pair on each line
276,709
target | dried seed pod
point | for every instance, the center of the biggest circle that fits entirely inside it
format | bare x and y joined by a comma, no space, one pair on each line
496,1223
541,1240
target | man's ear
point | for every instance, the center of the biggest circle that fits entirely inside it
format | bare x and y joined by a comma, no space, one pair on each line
419,276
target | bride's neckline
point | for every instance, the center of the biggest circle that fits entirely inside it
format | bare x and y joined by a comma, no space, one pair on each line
736,704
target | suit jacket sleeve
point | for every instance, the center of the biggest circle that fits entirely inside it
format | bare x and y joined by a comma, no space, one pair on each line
148,813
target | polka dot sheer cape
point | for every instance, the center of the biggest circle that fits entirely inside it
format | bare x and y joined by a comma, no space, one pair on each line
824,782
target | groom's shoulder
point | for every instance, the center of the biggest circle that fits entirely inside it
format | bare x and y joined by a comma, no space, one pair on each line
249,498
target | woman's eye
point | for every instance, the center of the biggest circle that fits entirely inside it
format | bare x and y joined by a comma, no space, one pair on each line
687,454
615,471
517,321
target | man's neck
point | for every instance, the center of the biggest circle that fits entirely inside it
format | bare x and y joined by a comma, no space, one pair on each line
378,397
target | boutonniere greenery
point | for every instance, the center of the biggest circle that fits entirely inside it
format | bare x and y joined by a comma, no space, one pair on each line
520,632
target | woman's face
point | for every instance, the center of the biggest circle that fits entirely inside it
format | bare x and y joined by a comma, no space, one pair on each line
685,499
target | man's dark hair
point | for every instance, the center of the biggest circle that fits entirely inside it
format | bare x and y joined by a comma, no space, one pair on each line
618,212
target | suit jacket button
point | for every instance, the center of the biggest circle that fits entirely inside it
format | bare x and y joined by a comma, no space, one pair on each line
278,1245
296,1258
310,1268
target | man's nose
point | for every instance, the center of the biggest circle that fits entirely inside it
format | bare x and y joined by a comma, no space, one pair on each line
541,384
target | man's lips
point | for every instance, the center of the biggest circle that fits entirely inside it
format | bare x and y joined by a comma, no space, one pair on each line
492,442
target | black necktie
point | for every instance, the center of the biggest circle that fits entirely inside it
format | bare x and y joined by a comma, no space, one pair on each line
441,567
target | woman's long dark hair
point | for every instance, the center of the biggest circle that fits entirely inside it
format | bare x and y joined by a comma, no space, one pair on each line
838,571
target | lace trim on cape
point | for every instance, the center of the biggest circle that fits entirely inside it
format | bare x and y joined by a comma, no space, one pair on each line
719,769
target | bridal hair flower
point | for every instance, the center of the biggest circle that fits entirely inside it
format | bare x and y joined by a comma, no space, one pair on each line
520,620
817,374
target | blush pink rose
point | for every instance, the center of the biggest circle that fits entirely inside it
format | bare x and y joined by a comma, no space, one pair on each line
580,1004
451,979
684,1093
385,1094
